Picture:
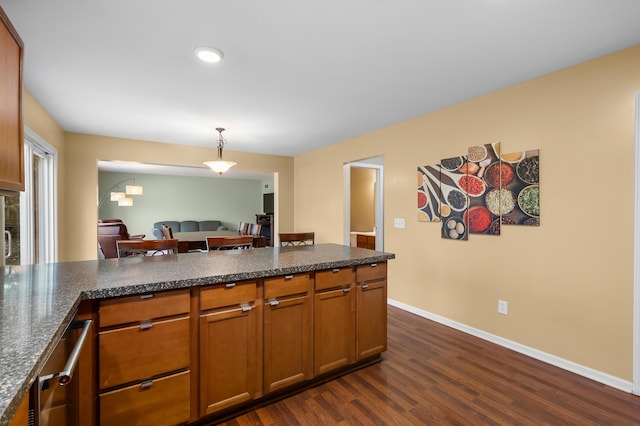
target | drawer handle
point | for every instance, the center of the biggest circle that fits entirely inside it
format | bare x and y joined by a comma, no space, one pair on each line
346,289
146,296
335,270
65,376
373,265
288,277
246,308
147,384
273,302
146,325
230,285
365,286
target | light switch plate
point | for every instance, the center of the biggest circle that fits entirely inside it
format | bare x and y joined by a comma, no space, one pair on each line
398,222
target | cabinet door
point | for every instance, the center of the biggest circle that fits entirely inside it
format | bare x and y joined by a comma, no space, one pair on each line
288,340
334,329
11,130
371,321
228,358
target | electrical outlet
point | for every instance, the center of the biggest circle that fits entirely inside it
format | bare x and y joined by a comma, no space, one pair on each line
503,307
398,222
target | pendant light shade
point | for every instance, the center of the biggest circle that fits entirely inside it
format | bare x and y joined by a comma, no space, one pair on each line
219,165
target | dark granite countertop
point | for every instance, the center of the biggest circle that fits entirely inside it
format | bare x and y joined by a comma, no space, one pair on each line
37,302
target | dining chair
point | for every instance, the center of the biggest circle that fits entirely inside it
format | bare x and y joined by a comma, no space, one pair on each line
297,238
146,247
228,243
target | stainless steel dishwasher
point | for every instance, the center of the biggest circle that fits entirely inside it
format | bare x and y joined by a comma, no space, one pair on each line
56,399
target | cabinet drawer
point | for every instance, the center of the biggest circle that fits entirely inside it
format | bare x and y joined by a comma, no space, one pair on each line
136,353
165,401
143,307
373,271
286,285
334,278
228,294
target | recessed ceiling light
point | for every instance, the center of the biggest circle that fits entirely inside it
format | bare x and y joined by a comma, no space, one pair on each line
209,55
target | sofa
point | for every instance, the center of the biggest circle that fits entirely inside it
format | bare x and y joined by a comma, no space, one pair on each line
187,226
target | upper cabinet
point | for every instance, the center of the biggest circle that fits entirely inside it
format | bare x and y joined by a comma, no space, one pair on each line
11,128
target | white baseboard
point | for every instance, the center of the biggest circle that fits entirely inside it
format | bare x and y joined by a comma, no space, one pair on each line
581,370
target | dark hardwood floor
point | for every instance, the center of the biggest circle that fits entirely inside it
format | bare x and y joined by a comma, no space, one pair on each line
435,375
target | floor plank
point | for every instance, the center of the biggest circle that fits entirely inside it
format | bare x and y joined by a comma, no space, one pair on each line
435,375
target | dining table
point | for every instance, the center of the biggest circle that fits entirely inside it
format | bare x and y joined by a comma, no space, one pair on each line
197,240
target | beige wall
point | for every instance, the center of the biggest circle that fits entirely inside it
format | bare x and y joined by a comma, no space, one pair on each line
362,199
569,283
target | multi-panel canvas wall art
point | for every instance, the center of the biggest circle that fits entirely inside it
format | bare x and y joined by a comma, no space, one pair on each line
479,192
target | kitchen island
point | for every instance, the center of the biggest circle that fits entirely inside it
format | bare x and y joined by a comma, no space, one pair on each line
37,302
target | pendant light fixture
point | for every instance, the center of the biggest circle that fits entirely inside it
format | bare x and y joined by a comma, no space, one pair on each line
219,165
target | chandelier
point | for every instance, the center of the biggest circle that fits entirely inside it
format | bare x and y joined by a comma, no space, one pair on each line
219,165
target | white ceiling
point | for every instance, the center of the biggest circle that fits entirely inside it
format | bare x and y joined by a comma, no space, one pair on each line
297,75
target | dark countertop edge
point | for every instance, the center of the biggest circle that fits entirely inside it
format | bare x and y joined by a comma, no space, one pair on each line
129,290
13,405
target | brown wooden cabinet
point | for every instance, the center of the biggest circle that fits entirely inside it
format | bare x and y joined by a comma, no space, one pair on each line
288,334
334,326
21,416
144,358
371,308
11,127
366,241
229,345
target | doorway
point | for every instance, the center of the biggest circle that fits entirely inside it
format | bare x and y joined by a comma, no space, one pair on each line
376,189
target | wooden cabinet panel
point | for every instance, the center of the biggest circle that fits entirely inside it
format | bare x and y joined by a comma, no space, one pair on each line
366,241
287,285
371,309
332,278
11,127
228,358
334,329
126,310
228,294
288,342
143,351
371,320
372,271
163,401
21,416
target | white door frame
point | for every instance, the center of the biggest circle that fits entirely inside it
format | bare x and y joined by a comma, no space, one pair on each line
35,145
376,163
636,254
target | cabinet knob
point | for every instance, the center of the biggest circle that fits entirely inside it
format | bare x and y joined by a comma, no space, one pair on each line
346,289
335,270
146,296
273,302
364,286
147,384
246,308
373,265
230,285
146,325
288,277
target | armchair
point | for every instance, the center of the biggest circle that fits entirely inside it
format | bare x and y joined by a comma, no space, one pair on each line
110,231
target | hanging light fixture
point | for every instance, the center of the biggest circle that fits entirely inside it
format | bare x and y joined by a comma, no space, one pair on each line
219,165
